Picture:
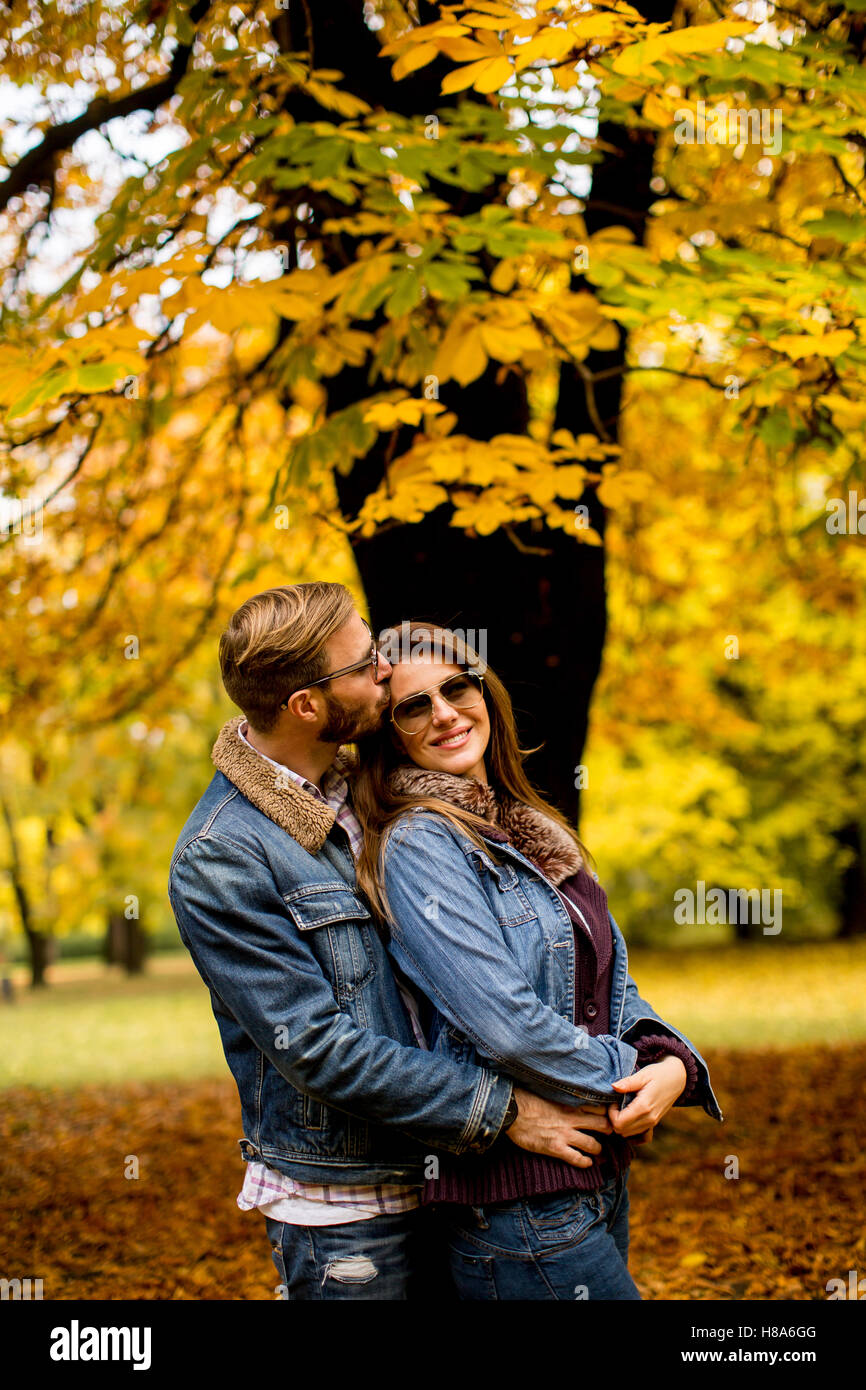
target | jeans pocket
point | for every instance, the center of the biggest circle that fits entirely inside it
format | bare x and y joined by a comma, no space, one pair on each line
472,1276
563,1219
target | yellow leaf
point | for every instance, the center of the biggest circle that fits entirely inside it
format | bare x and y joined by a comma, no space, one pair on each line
703,38
499,72
638,58
691,1261
597,26
847,414
385,415
415,58
606,338
486,467
469,359
504,275
486,75
552,44
486,21
655,110
797,345
463,50
508,344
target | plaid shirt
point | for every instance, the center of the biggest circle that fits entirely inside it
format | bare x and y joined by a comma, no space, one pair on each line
275,1194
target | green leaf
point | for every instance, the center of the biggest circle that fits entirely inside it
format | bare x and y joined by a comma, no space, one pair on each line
405,295
447,281
467,241
776,429
48,387
99,376
369,158
839,225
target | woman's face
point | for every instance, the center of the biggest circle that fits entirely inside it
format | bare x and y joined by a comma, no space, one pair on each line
452,740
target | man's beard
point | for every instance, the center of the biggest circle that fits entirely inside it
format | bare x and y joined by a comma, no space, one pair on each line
345,723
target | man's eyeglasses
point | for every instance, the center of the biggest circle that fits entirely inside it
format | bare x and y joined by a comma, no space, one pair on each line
463,691
371,659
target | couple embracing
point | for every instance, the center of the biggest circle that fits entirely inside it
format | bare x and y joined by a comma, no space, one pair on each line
442,1061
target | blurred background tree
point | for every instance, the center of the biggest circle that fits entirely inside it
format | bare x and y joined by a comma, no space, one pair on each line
350,291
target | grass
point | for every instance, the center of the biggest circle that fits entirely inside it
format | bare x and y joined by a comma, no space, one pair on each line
762,995
94,1026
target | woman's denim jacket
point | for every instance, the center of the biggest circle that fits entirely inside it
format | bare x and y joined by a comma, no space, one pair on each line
333,1087
486,938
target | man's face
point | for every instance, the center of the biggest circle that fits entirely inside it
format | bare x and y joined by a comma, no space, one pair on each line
356,703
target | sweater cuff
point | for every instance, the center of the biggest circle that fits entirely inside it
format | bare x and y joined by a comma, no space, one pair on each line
655,1046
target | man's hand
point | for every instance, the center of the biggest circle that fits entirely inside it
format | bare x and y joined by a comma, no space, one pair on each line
546,1127
658,1086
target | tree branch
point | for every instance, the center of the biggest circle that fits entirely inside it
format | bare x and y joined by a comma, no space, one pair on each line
36,165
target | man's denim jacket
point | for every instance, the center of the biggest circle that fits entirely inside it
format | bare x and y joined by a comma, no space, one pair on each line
332,1085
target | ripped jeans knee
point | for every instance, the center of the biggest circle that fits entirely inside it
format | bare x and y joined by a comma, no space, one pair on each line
374,1259
351,1269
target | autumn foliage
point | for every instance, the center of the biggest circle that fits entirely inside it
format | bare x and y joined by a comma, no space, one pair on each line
780,1230
220,230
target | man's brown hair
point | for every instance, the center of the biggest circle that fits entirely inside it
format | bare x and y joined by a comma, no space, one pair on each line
275,644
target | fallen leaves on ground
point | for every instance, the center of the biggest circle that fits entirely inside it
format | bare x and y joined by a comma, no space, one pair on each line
791,1220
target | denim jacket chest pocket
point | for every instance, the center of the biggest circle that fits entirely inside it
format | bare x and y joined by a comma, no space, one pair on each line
503,887
339,930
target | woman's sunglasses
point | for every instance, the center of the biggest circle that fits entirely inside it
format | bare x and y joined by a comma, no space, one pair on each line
415,712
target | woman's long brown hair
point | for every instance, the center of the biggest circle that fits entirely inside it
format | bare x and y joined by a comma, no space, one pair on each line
378,806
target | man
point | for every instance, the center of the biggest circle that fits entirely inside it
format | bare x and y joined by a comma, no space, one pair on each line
342,1105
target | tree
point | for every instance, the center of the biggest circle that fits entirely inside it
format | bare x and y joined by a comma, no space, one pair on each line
442,336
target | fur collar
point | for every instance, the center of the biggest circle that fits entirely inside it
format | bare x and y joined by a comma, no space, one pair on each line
302,815
538,836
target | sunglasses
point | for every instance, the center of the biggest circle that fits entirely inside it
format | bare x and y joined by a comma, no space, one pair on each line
371,659
462,691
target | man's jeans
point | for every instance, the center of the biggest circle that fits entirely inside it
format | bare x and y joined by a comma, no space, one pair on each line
386,1257
572,1245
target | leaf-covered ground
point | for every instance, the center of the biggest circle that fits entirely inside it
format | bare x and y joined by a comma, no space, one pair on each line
792,1220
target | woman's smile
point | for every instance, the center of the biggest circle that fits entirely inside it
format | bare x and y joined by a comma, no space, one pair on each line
452,739
455,740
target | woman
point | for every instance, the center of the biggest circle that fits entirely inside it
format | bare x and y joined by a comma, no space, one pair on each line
495,918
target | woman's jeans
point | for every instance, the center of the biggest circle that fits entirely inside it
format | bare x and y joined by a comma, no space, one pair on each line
571,1245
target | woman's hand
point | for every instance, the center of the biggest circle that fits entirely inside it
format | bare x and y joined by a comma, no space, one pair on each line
658,1086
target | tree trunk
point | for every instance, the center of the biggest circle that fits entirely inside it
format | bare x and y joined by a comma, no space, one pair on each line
136,948
852,901
125,943
538,596
41,956
38,942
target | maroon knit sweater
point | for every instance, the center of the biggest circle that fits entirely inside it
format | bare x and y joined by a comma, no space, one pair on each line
506,1171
